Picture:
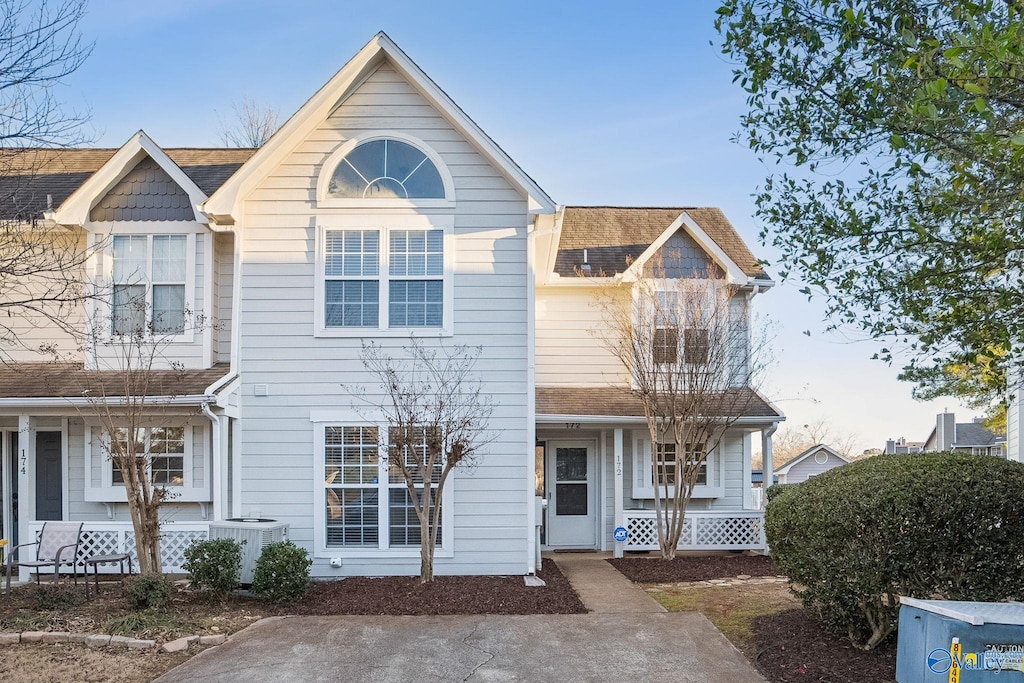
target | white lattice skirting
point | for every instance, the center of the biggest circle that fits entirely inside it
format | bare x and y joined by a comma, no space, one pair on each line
109,538
701,531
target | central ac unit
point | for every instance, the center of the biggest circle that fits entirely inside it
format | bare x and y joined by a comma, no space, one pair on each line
254,534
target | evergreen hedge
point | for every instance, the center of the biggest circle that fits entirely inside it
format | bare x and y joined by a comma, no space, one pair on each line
935,525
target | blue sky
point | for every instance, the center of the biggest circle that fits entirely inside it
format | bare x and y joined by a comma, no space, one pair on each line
602,103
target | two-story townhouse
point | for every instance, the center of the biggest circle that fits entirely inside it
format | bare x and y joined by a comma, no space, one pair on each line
594,448
379,212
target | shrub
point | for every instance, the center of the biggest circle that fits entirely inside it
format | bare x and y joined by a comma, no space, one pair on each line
776,490
282,572
148,591
214,565
934,525
58,597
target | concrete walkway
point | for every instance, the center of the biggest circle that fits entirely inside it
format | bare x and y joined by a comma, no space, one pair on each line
601,587
682,647
626,637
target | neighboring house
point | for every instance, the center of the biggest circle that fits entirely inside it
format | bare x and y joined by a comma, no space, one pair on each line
901,445
379,211
968,437
813,461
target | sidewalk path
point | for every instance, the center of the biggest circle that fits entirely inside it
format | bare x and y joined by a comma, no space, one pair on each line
601,587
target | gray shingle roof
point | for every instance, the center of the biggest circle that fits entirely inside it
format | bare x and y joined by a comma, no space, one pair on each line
615,402
614,236
974,434
68,380
28,176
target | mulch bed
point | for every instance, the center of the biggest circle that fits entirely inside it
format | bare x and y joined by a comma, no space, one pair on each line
653,569
793,646
405,595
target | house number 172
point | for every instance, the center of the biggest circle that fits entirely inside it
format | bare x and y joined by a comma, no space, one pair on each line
572,425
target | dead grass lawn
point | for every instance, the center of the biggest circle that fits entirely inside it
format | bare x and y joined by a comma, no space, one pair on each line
72,662
731,608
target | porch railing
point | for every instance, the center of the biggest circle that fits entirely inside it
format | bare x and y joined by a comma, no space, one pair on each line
109,538
740,530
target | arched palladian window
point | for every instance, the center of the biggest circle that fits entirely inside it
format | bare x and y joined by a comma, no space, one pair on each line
386,169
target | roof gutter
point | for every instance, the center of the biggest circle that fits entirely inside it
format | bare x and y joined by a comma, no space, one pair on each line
63,401
548,418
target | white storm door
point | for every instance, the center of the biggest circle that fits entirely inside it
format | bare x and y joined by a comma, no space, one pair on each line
571,491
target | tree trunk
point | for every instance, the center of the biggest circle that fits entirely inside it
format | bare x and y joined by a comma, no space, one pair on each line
426,537
146,524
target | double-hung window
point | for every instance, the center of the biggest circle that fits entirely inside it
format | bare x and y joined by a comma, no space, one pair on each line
384,279
352,278
352,479
403,522
149,284
162,447
367,506
666,468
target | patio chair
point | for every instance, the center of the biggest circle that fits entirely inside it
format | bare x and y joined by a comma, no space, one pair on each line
58,545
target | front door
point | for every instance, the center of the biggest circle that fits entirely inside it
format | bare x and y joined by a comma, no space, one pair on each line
571,493
49,477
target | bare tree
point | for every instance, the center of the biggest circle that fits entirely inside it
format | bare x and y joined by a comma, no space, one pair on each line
687,347
251,126
130,394
41,266
437,416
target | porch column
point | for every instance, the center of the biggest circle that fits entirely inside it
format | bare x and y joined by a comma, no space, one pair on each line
767,469
25,461
620,516
767,463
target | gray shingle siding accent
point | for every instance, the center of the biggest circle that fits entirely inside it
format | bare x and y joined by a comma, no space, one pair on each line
147,193
682,257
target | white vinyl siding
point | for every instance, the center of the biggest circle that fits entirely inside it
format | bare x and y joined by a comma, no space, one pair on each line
305,373
571,348
224,273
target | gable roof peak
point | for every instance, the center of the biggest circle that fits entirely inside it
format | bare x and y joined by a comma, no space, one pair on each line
223,204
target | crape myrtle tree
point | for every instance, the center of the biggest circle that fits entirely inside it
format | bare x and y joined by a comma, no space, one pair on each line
437,415
694,363
41,266
901,123
129,393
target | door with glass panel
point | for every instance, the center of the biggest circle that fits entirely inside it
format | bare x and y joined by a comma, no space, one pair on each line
571,492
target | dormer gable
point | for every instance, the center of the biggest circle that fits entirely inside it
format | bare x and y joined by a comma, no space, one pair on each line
139,182
145,193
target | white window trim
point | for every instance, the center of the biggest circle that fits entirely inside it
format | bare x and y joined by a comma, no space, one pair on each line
324,201
643,475
383,226
320,549
108,492
151,229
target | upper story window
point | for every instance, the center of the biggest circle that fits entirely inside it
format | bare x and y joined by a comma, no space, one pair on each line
149,283
389,278
386,169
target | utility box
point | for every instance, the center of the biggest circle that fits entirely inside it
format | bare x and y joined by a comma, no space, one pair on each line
254,534
960,642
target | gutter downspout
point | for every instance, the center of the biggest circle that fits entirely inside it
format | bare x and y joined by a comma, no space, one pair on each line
218,455
218,451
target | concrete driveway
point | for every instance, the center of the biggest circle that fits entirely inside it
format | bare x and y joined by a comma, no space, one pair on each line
562,648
